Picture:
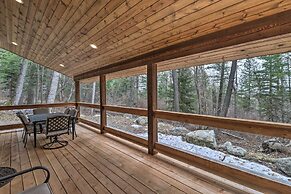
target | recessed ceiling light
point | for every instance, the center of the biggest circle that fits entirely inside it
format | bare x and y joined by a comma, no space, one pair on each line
93,46
20,1
62,65
14,43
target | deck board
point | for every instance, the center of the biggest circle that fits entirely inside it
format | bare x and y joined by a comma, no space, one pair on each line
94,163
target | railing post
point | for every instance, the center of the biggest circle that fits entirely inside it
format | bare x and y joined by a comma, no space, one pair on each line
103,118
152,106
77,96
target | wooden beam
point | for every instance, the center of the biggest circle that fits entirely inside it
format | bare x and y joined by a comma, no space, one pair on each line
103,118
90,123
266,27
152,106
257,182
127,136
128,110
12,126
89,105
243,125
77,96
31,106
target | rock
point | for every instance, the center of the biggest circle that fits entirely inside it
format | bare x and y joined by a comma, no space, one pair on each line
225,146
204,138
284,164
233,150
136,126
128,116
141,121
272,145
178,131
161,124
236,151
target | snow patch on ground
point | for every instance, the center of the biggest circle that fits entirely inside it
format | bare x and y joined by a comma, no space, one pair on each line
253,167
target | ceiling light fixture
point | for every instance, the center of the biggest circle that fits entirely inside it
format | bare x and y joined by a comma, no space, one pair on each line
62,65
93,46
20,1
14,43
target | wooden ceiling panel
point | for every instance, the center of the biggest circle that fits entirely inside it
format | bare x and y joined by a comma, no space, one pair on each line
60,31
155,41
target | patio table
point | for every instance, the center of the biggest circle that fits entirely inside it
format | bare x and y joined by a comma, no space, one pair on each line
41,118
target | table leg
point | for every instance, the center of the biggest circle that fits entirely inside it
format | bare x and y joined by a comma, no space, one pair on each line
34,133
73,129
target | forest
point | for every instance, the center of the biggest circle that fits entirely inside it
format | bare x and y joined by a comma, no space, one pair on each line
256,88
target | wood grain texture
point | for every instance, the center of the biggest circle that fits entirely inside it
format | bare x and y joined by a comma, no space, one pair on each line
60,31
244,125
95,163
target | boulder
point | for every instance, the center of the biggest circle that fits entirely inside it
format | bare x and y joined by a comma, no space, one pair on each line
141,121
178,131
236,151
226,145
136,126
272,145
233,150
204,138
128,116
284,164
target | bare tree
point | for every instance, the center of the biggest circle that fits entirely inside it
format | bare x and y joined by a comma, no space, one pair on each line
176,90
222,69
53,88
230,87
20,81
93,96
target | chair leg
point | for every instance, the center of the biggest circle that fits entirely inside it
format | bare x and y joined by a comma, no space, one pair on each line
55,139
23,131
25,139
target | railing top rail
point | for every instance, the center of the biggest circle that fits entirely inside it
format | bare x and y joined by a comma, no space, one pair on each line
29,106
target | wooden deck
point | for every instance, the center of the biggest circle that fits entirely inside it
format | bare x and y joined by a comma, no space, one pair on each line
94,163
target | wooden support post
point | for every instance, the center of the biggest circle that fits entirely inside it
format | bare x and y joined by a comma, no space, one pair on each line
152,106
103,121
77,96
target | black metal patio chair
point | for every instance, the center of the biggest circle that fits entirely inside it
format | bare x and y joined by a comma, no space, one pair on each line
28,127
43,188
56,126
74,116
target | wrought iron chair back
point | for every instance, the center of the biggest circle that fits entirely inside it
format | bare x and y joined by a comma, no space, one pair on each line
57,125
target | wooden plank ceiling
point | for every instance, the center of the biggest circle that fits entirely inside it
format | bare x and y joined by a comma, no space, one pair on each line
60,31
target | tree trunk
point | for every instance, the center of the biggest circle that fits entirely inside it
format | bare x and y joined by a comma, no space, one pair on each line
176,91
136,85
229,89
220,89
196,82
20,81
41,84
54,87
93,96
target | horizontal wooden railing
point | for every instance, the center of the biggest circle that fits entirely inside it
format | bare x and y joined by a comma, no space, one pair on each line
29,106
233,173
128,110
243,125
258,182
88,122
127,136
89,105
250,126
